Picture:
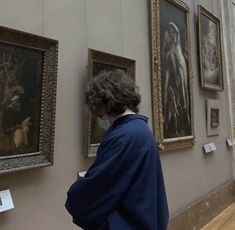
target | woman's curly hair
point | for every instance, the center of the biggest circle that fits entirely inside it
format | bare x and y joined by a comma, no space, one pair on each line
112,91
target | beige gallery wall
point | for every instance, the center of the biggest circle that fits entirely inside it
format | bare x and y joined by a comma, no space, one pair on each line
120,27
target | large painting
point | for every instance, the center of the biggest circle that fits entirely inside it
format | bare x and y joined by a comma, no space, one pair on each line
172,74
99,61
210,50
28,69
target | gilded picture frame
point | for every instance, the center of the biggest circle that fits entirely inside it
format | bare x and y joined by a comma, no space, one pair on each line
210,53
99,61
28,76
172,83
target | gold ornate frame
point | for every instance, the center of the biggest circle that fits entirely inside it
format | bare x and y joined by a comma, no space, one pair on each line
207,85
48,51
107,61
158,121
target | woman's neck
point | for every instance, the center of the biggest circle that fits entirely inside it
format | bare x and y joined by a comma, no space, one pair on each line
126,112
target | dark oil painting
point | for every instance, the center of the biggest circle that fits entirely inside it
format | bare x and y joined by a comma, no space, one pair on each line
20,98
214,117
97,133
175,76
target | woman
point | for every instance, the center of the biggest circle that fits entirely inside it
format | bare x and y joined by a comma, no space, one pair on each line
124,188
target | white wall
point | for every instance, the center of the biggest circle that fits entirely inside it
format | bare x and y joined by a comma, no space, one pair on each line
120,27
232,32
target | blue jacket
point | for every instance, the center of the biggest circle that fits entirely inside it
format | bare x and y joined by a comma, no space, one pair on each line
124,188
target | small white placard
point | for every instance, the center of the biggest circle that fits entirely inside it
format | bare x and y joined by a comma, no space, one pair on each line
6,202
82,174
212,145
229,142
207,148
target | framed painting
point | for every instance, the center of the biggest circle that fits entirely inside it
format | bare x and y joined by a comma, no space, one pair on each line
28,73
213,117
172,90
99,61
210,56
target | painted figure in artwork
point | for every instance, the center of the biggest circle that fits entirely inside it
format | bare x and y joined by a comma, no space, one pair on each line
176,107
210,51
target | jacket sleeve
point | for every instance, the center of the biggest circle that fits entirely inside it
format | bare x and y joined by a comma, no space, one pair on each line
91,199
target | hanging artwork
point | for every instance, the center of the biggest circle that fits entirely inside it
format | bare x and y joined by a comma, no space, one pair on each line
213,117
28,73
99,61
210,50
172,74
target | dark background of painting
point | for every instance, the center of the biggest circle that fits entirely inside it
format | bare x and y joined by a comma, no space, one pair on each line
214,117
29,76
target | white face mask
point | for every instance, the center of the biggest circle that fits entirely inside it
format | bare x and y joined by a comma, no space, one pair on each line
104,124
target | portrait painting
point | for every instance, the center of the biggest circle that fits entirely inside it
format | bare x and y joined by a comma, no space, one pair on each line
172,74
210,50
28,70
98,62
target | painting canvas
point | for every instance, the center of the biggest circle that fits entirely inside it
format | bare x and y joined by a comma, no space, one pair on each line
172,74
213,117
28,69
98,62
20,95
210,50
